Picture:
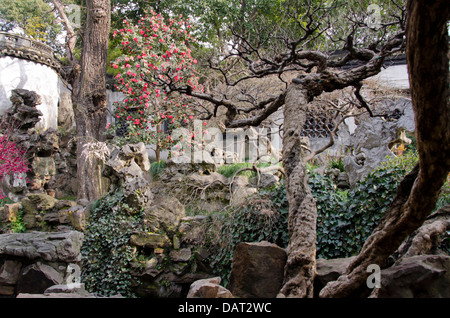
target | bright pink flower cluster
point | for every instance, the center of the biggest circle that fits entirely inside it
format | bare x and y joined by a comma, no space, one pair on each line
156,58
12,159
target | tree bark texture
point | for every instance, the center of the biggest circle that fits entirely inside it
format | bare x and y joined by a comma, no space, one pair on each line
428,66
89,95
300,265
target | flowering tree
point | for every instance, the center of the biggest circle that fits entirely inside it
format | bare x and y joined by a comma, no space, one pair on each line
156,57
12,160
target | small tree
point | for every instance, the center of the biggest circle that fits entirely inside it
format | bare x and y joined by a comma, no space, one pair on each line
156,56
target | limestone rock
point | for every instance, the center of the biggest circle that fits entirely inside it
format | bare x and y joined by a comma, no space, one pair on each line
421,276
165,213
44,166
129,167
42,201
267,180
49,246
182,255
208,288
77,216
151,240
257,270
24,109
9,274
241,194
75,289
10,211
329,270
374,136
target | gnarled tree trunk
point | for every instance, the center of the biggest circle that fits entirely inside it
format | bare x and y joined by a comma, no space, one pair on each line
89,95
300,266
428,66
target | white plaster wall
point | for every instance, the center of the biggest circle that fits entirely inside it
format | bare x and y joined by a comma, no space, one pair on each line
395,76
18,73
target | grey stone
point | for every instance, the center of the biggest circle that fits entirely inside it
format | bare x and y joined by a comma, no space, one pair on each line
49,246
44,166
42,201
329,270
421,276
257,270
182,255
9,272
374,136
75,288
129,167
66,119
165,213
208,288
151,240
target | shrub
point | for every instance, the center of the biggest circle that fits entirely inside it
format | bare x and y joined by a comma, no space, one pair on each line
264,218
106,253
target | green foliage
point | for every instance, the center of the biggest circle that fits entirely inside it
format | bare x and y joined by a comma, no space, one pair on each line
156,168
337,164
346,219
33,17
264,218
230,170
106,253
17,225
405,162
330,222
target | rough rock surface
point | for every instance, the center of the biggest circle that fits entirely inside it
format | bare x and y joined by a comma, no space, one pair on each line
208,288
329,270
421,276
257,270
49,246
129,166
374,136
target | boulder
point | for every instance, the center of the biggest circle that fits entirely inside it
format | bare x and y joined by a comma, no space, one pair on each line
208,288
257,270
23,110
74,289
151,240
77,216
421,276
48,246
268,180
165,213
43,166
10,211
328,270
181,255
129,167
9,274
193,230
374,137
42,202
